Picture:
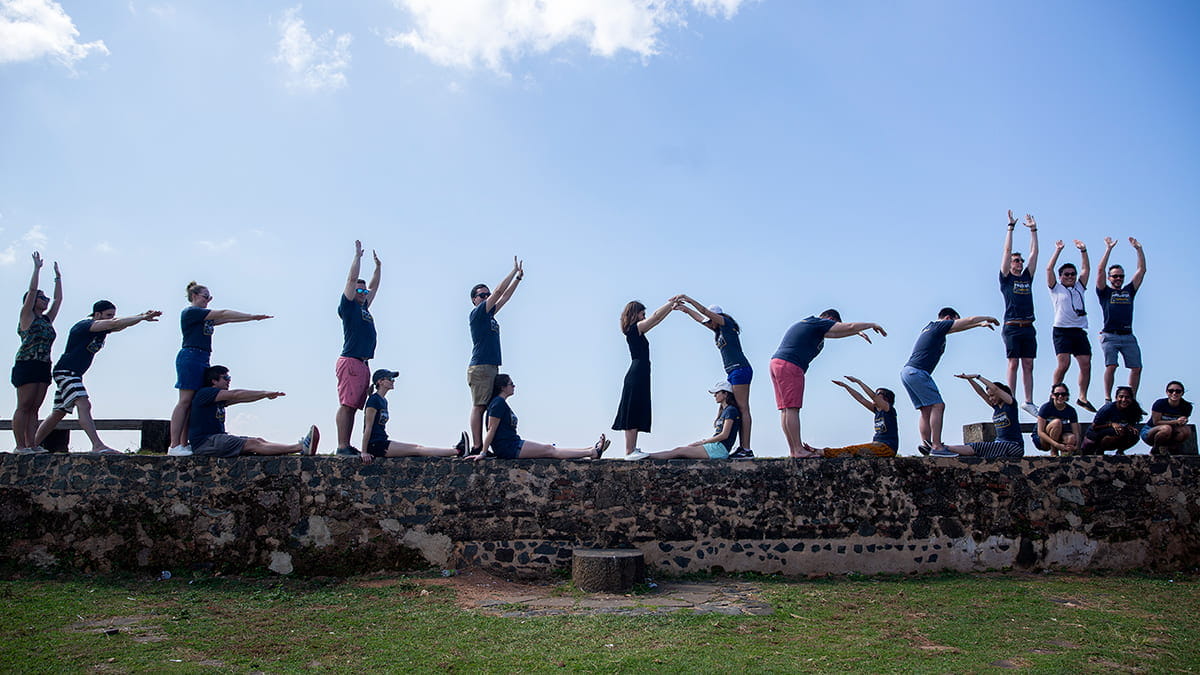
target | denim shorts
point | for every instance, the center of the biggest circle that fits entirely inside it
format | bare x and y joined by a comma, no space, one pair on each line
920,387
741,375
1126,345
189,368
716,450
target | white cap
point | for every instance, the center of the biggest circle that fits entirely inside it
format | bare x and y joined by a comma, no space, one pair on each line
716,309
721,386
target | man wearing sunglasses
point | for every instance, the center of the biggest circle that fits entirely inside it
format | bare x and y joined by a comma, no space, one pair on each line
485,346
1016,285
358,348
1070,319
1116,298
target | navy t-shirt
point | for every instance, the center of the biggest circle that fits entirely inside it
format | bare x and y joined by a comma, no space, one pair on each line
1018,296
358,329
1048,412
505,442
886,431
729,413
1166,412
930,346
803,341
485,336
197,329
1118,309
1008,426
208,416
729,343
379,428
1109,413
82,345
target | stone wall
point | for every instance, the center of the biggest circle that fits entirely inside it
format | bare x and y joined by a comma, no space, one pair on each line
325,515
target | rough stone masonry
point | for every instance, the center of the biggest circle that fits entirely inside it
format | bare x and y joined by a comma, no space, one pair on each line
327,515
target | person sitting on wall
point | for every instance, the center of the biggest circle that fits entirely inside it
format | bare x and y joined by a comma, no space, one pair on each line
375,441
1053,433
1168,428
206,424
719,445
1008,441
502,436
1115,426
881,402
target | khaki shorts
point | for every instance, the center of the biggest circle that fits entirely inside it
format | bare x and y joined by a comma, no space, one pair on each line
481,379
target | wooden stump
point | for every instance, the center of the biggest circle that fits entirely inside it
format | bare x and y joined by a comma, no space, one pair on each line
607,569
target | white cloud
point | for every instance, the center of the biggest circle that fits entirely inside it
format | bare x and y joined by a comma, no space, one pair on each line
8,256
218,246
32,29
35,237
104,247
491,33
312,63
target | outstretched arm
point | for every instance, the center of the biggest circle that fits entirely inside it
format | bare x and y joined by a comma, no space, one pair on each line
880,402
1031,261
114,325
232,396
355,268
655,318
52,313
1102,272
708,315
373,284
27,306
865,402
220,316
974,322
974,385
700,318
1140,272
846,329
1007,256
1085,267
504,290
1051,277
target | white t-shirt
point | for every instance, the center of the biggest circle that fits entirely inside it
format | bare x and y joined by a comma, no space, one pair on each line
1066,300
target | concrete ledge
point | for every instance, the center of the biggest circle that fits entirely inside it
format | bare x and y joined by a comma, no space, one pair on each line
323,515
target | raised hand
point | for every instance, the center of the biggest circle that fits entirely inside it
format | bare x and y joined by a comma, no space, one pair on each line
1030,222
1012,221
1136,244
1058,246
358,249
260,317
1109,242
150,315
37,260
1080,245
375,256
57,274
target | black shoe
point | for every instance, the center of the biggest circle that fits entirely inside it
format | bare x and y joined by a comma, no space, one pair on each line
925,448
463,443
348,451
742,453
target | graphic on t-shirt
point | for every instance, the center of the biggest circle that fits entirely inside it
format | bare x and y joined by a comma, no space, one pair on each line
208,327
96,344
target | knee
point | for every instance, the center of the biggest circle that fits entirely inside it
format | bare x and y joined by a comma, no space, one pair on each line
1054,427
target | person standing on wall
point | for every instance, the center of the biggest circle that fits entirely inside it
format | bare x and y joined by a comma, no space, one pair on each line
1070,319
31,372
358,348
633,412
1116,299
1016,285
485,346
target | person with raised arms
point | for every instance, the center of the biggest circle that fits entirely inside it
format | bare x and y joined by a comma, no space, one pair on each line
725,432
1058,424
502,435
1070,319
1008,441
375,441
1116,299
485,345
359,338
789,365
83,342
917,374
206,424
31,371
882,403
1168,428
727,335
1016,285
196,321
633,411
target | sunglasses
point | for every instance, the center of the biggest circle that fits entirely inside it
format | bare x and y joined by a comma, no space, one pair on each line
362,291
483,295
1060,394
1116,276
1174,391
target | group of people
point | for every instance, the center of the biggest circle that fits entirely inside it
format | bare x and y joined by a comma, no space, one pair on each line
198,420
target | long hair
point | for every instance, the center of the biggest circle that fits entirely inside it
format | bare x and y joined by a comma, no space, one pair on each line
629,314
194,289
1135,406
502,380
730,402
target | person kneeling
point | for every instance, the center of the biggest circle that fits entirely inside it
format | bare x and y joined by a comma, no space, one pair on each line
726,427
206,425
1115,426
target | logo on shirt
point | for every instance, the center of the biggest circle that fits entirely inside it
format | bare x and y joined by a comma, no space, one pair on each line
208,328
366,315
1120,298
880,425
219,416
1022,288
96,344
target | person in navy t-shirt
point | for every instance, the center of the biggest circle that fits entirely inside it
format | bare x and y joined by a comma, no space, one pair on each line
1169,417
206,424
725,432
1009,442
881,402
485,345
917,374
1016,285
502,435
789,366
84,341
358,347
1116,299
1058,424
375,442
1116,425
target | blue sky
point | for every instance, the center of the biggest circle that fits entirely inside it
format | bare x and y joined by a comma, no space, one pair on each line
777,158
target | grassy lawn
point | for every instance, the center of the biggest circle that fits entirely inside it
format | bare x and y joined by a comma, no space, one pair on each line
958,623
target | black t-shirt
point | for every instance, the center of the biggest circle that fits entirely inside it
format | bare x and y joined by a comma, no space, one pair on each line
886,431
197,329
505,442
1018,295
1109,413
729,413
1118,309
358,329
379,428
1048,412
1008,426
804,341
729,343
82,345
930,346
208,416
485,336
1167,413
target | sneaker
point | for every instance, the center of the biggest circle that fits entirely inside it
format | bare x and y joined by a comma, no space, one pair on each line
1030,408
636,455
180,451
942,452
464,442
310,440
31,451
742,453
925,448
348,451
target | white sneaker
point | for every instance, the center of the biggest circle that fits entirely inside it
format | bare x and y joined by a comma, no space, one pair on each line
636,455
1030,408
180,451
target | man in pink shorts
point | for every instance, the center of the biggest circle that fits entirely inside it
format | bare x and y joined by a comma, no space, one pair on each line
358,348
801,344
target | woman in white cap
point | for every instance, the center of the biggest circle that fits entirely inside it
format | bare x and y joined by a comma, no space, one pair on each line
725,430
738,372
375,442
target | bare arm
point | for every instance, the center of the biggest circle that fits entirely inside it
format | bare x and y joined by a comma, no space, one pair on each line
846,329
222,316
26,319
114,325
1007,256
1085,267
656,318
1140,272
974,322
369,414
726,429
866,403
355,268
994,390
700,318
52,313
505,289
493,423
716,319
1051,277
982,392
232,396
1031,261
1102,271
880,402
373,284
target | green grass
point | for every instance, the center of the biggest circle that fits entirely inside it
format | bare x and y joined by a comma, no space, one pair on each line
952,623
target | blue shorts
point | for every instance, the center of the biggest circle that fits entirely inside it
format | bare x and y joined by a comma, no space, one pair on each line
512,451
1126,345
1145,430
920,387
741,375
716,450
1020,342
189,368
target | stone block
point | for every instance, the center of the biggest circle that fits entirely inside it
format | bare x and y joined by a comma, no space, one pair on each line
607,569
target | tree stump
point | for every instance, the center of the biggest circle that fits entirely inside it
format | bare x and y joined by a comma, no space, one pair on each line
607,569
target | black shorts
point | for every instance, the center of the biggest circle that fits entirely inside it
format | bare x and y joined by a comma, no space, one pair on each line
1073,341
378,448
1020,342
30,372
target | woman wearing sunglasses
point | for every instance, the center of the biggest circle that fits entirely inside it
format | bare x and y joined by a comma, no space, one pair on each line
1168,427
1058,424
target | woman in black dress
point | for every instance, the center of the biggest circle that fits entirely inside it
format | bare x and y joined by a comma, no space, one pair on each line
633,414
